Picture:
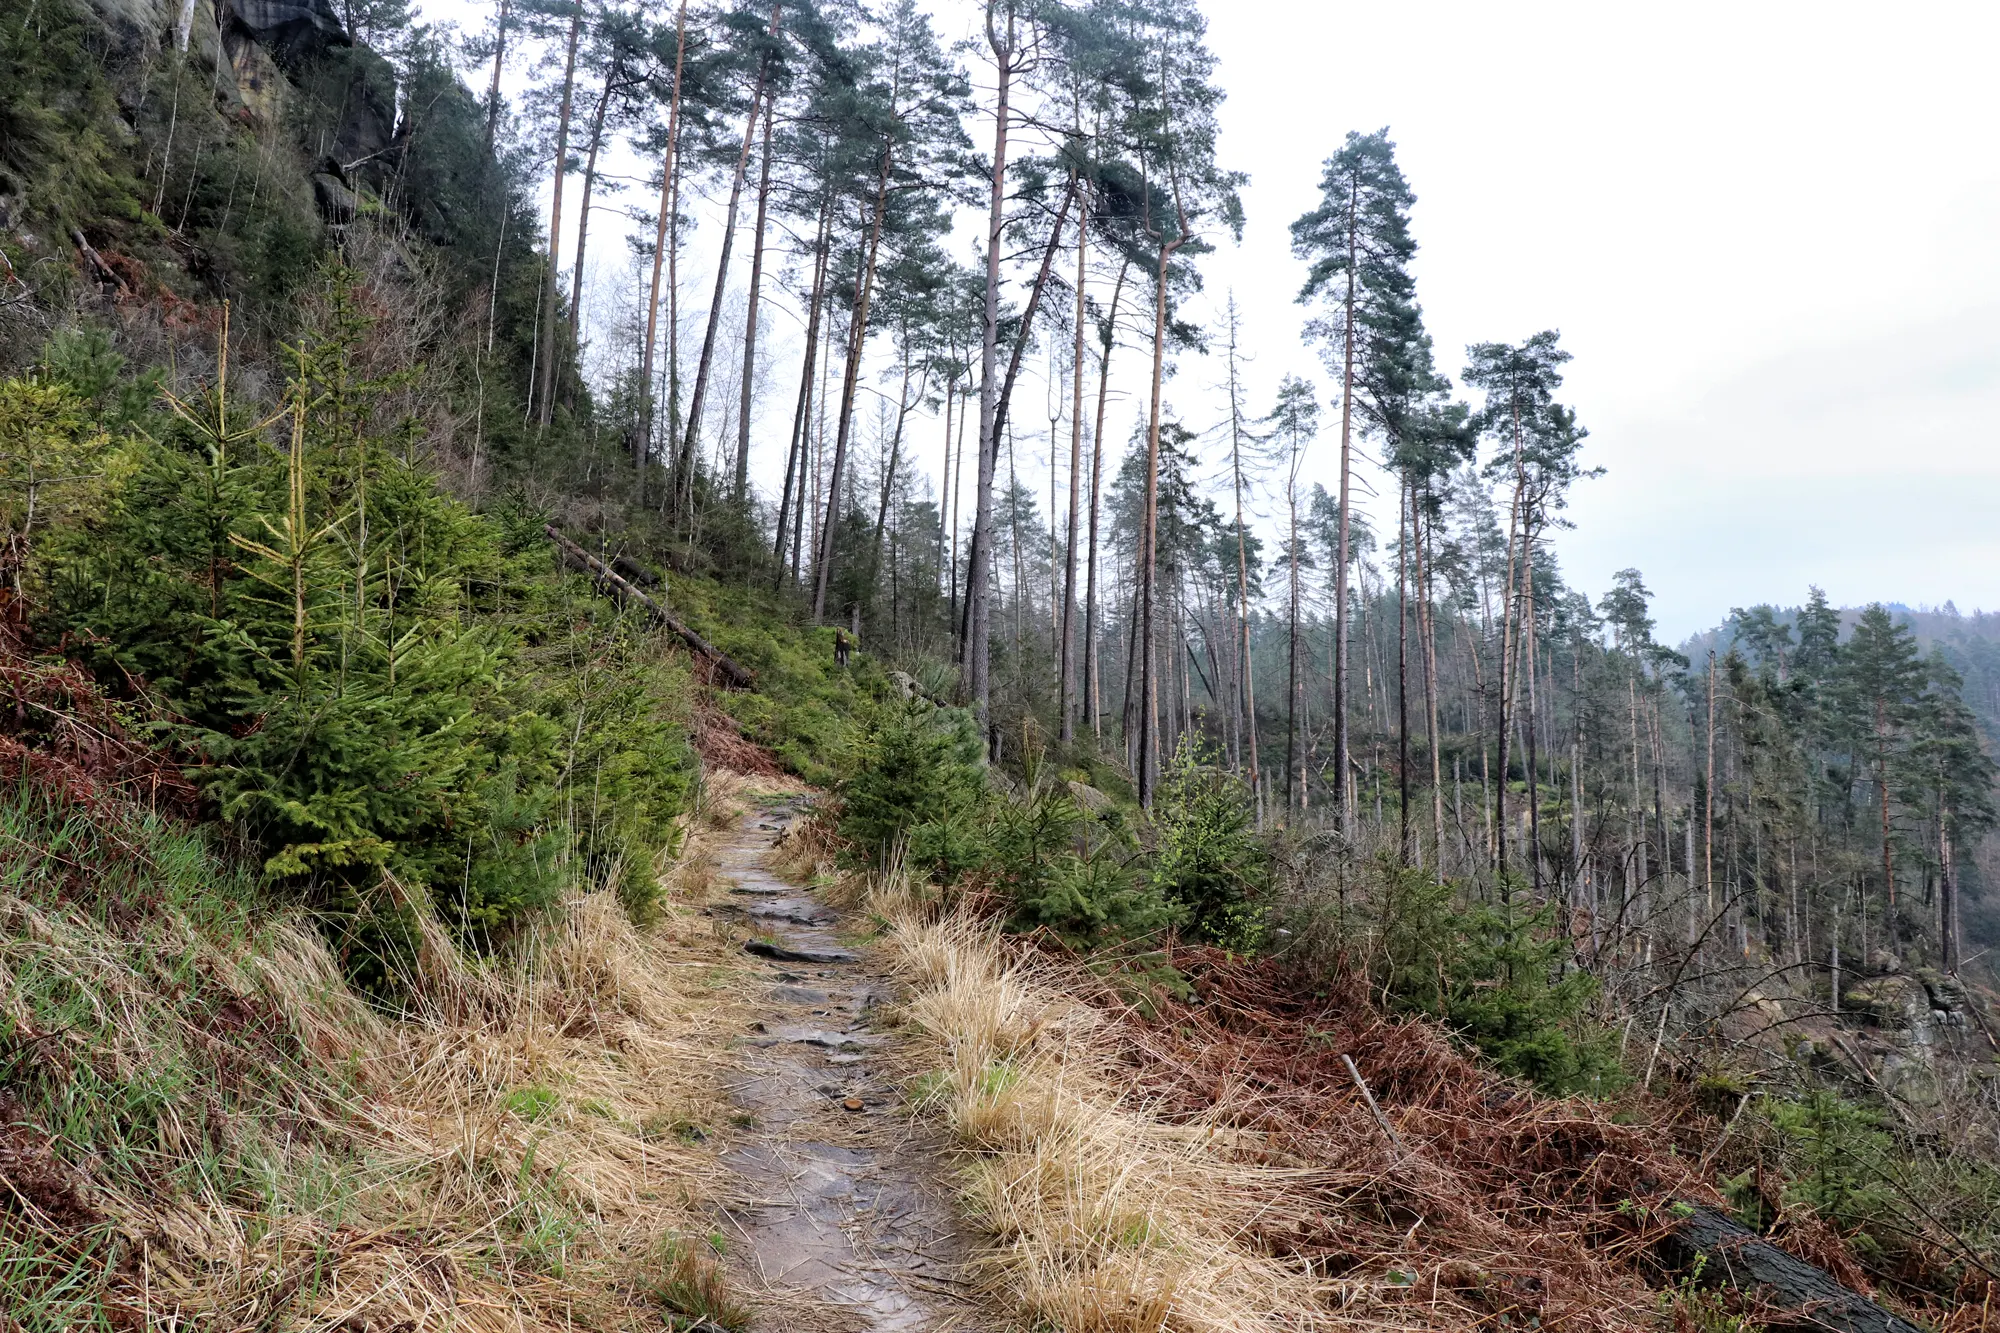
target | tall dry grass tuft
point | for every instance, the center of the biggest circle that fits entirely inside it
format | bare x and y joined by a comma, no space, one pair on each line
205,1126
809,849
1104,1216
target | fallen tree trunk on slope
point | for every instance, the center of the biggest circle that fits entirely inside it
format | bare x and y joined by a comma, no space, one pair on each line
629,591
1717,1252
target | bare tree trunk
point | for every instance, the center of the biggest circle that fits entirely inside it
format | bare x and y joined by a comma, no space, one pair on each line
1947,889
750,313
1127,713
1427,631
1882,793
1639,841
975,640
1580,898
548,350
1529,652
1028,313
684,469
947,483
1243,571
1006,389
1407,504
1067,655
1508,674
1093,685
583,206
1708,812
857,339
795,459
957,451
672,376
1342,796
1292,773
903,404
1149,758
642,444
1093,659
818,466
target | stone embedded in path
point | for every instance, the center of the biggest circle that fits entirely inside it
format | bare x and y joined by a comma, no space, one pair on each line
797,911
809,1036
784,953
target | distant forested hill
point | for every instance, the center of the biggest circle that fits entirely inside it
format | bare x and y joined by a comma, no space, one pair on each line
1969,644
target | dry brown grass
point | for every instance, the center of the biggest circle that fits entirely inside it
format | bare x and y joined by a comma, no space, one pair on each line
519,1150
808,851
725,795
1103,1216
546,1108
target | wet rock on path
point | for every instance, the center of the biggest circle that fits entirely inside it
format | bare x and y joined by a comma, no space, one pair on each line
841,1222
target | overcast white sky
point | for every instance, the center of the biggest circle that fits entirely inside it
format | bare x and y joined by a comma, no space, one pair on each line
1767,232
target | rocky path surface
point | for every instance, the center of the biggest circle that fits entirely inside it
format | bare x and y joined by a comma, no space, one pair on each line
841,1222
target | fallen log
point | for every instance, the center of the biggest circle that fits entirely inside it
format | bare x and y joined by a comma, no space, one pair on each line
102,272
1717,1252
631,592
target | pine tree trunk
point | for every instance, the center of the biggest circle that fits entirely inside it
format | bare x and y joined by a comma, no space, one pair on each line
750,312
975,639
857,338
1639,848
1530,652
1292,773
1427,630
1343,802
643,441
546,394
1508,618
1092,662
1882,793
1947,890
811,504
957,451
684,469
903,404
1708,809
1066,691
1127,713
1580,891
1149,758
583,207
948,486
1028,312
1407,505
672,376
795,459
1243,579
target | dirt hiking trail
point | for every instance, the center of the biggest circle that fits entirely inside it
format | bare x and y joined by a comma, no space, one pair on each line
842,1221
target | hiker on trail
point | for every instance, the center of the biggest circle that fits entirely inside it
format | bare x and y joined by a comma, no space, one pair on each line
841,647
